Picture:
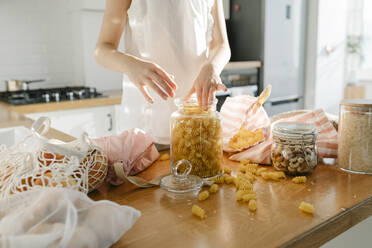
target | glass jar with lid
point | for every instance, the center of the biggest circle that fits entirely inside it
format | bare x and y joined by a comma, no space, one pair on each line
355,136
294,148
196,136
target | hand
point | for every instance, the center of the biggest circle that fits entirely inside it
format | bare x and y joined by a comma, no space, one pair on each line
145,74
205,85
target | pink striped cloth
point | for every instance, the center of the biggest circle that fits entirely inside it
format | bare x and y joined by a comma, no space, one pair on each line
239,111
327,134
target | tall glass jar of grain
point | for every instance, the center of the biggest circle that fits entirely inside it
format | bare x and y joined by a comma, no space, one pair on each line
196,136
355,136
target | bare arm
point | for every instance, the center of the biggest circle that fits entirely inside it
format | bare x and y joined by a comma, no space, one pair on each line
142,73
209,81
114,21
219,46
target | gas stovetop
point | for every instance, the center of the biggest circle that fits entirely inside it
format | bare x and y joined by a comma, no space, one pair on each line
49,95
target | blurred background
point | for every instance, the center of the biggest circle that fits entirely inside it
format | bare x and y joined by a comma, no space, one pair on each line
314,53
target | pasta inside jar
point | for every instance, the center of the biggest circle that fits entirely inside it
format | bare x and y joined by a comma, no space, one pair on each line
197,137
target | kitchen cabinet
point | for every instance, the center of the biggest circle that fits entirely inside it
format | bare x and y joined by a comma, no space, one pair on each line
97,121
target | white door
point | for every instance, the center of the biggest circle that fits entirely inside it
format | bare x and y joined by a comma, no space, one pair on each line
326,54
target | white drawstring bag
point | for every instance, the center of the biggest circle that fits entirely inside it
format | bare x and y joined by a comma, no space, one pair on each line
62,217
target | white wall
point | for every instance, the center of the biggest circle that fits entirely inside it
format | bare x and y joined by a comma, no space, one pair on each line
95,75
365,73
367,35
55,40
39,39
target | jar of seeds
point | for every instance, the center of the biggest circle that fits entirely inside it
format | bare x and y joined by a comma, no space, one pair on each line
294,148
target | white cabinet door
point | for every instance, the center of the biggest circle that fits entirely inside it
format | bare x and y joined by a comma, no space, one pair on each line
97,122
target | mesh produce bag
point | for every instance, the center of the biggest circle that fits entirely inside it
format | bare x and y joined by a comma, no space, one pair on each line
39,162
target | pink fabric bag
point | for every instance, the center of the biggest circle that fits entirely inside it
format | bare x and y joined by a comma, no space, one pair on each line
134,148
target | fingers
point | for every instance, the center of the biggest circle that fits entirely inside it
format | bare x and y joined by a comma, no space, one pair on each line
205,97
166,77
157,89
143,89
199,95
208,94
221,86
191,92
211,96
163,85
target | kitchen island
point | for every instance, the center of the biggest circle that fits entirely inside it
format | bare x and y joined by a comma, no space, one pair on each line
341,200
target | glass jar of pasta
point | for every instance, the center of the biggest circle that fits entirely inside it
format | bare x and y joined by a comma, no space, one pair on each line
294,149
196,136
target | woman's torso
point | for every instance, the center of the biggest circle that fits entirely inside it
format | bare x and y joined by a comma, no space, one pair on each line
175,35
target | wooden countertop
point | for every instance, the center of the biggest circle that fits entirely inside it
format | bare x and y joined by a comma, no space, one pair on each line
341,200
14,115
112,97
11,116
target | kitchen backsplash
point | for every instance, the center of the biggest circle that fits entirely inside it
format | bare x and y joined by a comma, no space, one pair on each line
52,40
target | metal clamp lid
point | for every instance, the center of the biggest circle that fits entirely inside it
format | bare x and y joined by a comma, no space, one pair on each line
295,131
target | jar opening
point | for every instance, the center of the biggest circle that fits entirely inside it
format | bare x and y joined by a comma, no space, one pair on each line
295,131
192,104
